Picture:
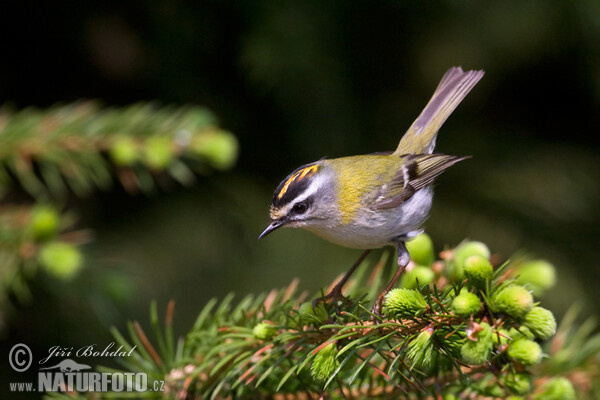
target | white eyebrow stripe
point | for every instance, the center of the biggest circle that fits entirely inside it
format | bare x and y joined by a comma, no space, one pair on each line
316,184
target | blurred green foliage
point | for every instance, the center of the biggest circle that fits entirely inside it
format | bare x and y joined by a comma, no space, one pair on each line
297,81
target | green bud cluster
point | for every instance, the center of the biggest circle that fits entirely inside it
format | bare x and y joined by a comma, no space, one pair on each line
464,251
536,275
513,300
264,331
466,304
525,351
477,351
421,249
324,363
402,302
503,325
219,148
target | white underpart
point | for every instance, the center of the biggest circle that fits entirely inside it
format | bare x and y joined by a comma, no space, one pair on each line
373,229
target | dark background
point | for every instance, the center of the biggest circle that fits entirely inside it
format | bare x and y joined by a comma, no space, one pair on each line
296,81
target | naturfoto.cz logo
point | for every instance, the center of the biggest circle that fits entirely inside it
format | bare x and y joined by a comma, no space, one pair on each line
69,375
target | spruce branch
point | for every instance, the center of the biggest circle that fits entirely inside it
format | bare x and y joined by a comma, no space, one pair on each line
276,345
81,146
76,149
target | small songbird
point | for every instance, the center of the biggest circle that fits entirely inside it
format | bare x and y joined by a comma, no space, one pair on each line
371,201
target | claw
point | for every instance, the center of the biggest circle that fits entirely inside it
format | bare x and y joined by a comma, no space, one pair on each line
334,295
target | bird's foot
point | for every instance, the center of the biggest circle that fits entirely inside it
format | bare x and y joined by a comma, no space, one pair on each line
335,296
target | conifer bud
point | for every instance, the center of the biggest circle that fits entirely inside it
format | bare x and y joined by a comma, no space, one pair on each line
158,152
557,389
541,323
466,304
419,351
124,151
514,300
518,383
419,273
401,302
220,148
525,351
264,331
421,249
61,259
477,352
537,275
324,363
44,222
464,251
478,270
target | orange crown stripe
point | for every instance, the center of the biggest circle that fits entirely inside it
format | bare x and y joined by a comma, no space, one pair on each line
298,176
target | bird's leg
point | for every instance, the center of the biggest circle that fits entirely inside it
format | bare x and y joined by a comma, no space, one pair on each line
336,292
403,260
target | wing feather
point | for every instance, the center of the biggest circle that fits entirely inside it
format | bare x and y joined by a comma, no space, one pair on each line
452,89
415,172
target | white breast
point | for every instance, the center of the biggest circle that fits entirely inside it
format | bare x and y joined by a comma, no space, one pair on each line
374,229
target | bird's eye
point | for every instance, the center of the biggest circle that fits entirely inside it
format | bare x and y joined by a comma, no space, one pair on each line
300,208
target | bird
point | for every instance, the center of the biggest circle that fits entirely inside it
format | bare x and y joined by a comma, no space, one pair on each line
374,200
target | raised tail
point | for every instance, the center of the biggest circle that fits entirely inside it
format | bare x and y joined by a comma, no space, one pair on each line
452,89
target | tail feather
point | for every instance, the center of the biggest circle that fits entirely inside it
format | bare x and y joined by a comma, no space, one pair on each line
452,89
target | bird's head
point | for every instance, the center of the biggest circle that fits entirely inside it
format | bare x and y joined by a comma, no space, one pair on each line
303,198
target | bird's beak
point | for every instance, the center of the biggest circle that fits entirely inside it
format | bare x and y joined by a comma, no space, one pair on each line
272,226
